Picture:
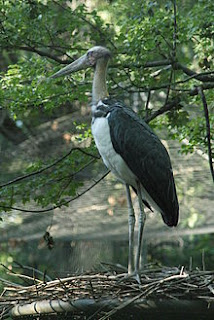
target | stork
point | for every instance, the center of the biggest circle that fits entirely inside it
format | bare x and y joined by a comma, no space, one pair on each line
130,149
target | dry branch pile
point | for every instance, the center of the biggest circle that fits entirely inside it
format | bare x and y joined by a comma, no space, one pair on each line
160,284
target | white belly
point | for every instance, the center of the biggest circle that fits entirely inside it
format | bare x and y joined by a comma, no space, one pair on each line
113,161
101,133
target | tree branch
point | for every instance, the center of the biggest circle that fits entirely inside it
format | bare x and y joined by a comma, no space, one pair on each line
147,104
43,54
64,203
206,113
205,86
174,47
166,107
169,87
92,25
191,92
18,179
149,64
34,270
203,76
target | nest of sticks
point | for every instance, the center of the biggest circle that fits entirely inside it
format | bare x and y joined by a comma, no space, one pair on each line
106,294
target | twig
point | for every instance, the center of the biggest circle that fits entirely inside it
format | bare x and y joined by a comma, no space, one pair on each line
160,284
64,203
19,265
121,306
18,179
169,87
9,283
204,86
92,25
11,272
195,76
148,64
147,104
191,92
175,30
206,114
23,276
174,46
4,315
175,276
73,174
166,107
42,53
203,77
203,260
210,287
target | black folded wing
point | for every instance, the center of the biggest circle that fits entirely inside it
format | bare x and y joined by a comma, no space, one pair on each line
147,158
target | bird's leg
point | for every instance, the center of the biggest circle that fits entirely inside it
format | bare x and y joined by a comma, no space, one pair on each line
131,221
142,218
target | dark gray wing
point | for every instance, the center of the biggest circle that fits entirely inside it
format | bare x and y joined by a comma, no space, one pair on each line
146,156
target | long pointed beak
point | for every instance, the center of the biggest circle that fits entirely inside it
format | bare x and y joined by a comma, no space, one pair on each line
79,64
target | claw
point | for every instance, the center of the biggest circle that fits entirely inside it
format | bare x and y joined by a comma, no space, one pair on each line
137,277
127,276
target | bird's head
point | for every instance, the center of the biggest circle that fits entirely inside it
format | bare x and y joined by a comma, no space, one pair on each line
86,61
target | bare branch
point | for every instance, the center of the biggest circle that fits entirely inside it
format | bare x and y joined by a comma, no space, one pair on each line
166,107
175,30
203,76
18,179
147,104
149,64
64,203
34,270
169,87
195,76
206,86
206,113
43,54
92,25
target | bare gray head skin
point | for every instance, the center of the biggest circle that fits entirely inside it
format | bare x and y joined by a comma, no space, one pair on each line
97,57
86,61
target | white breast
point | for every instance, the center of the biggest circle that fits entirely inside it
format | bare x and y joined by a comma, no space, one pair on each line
113,161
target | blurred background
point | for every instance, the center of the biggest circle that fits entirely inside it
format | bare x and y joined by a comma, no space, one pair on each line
59,211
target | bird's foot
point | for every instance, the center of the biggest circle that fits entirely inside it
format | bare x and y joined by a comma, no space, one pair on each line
134,273
128,276
137,277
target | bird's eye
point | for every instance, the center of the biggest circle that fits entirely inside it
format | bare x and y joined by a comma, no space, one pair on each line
91,58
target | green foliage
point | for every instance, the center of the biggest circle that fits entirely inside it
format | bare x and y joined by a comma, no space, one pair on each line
37,37
52,184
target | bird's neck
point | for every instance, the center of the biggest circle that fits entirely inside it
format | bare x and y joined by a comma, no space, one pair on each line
99,88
